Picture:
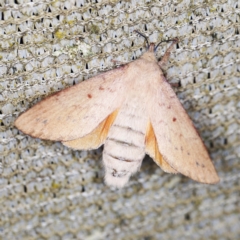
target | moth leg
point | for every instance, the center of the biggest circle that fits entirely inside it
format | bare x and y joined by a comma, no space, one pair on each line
166,56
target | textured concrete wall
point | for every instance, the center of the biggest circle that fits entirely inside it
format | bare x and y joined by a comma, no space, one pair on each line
48,191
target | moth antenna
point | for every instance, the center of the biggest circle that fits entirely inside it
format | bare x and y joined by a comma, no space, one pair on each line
171,40
144,36
166,56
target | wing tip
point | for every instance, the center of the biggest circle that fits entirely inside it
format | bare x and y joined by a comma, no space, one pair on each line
17,123
22,125
213,180
207,178
29,131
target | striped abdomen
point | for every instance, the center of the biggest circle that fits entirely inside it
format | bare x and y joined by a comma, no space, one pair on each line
124,148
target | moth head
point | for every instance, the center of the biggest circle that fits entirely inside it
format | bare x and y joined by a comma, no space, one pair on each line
152,48
150,54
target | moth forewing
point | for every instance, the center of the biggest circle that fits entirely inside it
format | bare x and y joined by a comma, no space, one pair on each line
76,111
177,138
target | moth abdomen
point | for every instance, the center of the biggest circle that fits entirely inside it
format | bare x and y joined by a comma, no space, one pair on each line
124,147
118,170
121,160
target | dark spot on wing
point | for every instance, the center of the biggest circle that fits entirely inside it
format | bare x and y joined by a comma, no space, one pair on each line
169,107
188,153
197,163
181,148
203,166
174,119
111,90
76,106
176,148
44,122
122,67
89,95
101,88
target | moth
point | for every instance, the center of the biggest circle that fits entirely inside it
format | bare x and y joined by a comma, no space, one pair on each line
132,110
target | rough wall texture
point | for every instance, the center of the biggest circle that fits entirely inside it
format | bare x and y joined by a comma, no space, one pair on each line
48,191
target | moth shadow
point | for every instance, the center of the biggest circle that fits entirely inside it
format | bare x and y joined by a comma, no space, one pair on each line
148,165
